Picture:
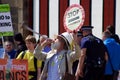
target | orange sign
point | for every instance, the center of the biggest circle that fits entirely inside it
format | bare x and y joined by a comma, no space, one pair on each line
13,69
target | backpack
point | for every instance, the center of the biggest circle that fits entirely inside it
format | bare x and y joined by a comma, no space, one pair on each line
35,65
95,54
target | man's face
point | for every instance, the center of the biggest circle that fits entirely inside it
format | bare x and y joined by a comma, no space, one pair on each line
84,32
8,46
56,44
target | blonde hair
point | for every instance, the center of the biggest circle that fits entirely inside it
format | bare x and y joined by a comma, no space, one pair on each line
30,38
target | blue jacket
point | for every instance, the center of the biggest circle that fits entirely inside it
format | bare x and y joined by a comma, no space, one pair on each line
12,54
114,56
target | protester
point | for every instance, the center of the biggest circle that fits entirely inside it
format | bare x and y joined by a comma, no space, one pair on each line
55,60
113,63
111,29
47,48
92,59
20,43
10,52
34,65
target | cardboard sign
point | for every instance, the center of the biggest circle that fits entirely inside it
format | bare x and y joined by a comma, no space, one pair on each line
13,69
74,18
6,28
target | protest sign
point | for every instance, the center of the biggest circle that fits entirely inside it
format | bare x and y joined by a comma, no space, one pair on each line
13,69
74,18
6,28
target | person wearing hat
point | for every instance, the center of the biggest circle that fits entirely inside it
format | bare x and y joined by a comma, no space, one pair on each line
86,30
55,60
93,56
20,43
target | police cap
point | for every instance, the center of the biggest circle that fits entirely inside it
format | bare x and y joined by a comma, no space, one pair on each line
86,28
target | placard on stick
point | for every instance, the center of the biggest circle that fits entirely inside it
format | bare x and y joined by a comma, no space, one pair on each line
13,69
74,18
6,28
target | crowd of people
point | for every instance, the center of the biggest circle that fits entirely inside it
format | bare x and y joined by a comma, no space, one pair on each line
80,53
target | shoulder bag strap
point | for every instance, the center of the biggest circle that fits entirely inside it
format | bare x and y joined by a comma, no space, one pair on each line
66,62
35,63
23,53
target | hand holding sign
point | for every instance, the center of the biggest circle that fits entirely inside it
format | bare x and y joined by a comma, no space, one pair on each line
74,18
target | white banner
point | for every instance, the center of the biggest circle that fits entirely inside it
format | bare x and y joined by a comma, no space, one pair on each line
6,28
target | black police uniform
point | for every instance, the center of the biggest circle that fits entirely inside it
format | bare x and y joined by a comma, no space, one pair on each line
95,60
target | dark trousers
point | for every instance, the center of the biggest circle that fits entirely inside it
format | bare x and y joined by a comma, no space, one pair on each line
114,76
80,78
34,74
108,77
93,73
74,67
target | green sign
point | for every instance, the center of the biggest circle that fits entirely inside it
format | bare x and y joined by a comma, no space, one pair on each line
6,28
4,8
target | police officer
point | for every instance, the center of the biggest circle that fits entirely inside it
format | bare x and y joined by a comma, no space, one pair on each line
92,59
